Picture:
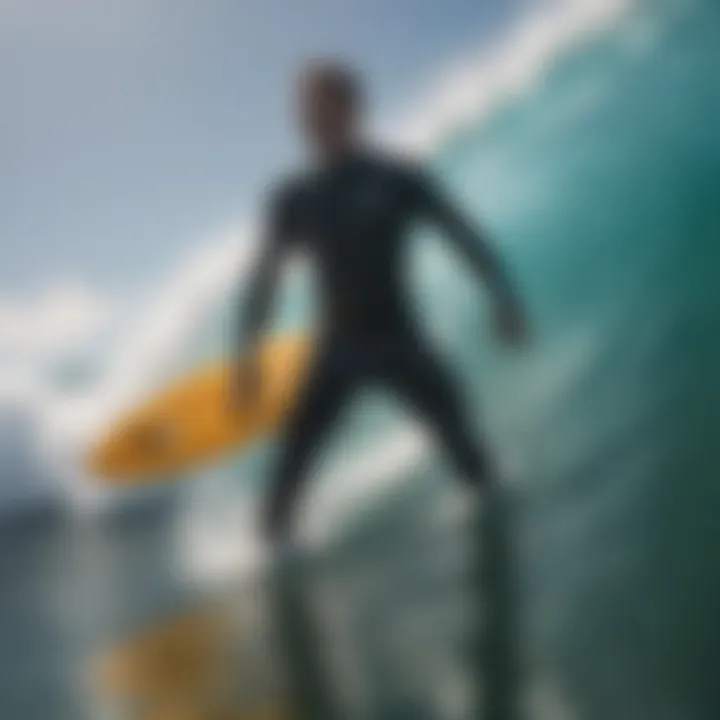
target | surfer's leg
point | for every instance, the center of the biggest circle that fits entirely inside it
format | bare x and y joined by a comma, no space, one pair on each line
420,378
330,383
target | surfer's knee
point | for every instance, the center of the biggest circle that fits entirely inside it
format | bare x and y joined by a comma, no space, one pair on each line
473,463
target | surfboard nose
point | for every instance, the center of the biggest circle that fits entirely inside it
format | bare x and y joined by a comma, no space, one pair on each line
136,445
189,421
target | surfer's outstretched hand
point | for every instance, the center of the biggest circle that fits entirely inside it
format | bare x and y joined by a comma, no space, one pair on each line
245,384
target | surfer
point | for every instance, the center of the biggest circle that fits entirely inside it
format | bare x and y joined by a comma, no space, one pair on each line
352,212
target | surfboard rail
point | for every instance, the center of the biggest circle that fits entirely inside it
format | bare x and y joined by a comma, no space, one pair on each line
192,420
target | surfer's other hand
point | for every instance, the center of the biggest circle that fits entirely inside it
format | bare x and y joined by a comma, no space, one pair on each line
245,385
510,324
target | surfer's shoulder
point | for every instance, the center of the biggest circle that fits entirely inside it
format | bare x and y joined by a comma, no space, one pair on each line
406,170
390,161
286,190
281,207
409,174
285,201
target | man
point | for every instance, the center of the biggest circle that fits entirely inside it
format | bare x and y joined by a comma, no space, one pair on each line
352,212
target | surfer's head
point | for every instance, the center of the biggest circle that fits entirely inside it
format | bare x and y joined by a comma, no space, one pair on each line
330,105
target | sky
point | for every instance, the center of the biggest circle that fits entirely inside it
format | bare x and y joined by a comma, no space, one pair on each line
132,128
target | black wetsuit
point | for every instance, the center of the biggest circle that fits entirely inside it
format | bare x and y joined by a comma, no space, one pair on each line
353,219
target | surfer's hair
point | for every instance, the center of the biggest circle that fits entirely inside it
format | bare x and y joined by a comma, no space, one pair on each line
337,77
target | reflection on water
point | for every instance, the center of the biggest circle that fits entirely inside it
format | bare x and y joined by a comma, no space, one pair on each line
382,626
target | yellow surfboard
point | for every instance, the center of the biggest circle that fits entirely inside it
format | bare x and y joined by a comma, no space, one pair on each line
192,421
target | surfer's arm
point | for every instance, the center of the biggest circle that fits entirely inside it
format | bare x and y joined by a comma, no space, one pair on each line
473,243
264,277
477,249
260,293
255,310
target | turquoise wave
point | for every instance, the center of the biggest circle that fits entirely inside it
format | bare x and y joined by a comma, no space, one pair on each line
602,186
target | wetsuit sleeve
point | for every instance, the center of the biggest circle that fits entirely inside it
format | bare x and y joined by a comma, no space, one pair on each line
432,204
282,216
280,232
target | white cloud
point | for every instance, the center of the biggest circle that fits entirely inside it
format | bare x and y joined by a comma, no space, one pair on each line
62,317
59,424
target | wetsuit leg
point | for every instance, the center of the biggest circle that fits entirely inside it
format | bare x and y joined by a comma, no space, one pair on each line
330,383
413,372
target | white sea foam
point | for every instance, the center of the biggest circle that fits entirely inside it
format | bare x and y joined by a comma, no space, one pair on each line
475,84
220,538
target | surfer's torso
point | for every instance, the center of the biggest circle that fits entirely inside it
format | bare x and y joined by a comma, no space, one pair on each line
353,218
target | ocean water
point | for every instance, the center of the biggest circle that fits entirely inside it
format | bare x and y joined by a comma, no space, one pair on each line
601,186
